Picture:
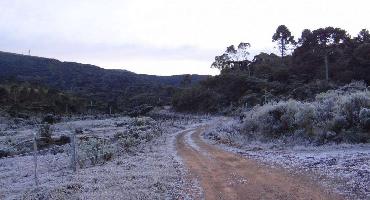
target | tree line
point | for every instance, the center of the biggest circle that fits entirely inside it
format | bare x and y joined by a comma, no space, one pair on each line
318,60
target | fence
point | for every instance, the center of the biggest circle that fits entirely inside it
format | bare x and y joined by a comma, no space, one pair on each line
48,163
36,164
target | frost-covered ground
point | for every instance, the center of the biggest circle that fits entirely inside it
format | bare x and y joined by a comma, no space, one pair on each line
344,167
144,165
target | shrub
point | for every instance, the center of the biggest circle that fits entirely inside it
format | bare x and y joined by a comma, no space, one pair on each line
4,153
141,121
338,123
45,136
131,138
62,140
127,140
94,150
50,119
274,120
364,116
337,115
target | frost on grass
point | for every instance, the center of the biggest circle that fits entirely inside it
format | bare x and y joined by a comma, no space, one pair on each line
344,168
130,158
328,137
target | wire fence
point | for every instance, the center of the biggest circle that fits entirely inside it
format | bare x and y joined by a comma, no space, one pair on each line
37,163
43,164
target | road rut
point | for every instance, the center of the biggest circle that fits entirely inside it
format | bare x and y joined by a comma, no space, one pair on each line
225,175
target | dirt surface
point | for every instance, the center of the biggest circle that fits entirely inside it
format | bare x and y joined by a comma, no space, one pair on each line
225,175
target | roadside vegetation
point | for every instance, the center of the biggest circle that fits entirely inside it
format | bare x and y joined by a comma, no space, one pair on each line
335,116
116,157
319,60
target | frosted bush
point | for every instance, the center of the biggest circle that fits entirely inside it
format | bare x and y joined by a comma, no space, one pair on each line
340,115
365,119
338,123
141,121
45,132
127,140
275,119
94,150
350,106
305,118
145,130
225,133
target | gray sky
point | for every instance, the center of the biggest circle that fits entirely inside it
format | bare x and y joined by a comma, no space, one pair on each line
163,36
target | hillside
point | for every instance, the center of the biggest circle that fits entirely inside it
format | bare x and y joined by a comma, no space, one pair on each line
74,76
118,88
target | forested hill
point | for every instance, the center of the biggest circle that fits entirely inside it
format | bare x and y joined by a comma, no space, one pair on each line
74,76
103,86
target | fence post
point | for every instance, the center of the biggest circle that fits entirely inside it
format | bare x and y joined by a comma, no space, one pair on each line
35,158
74,153
103,150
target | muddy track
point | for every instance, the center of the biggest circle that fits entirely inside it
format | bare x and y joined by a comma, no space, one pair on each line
225,175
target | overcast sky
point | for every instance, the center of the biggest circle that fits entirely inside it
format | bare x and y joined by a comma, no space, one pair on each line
163,37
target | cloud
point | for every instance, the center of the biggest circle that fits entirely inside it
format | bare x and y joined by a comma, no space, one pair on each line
161,32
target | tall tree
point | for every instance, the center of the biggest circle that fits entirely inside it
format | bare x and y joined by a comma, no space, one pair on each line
232,58
327,40
284,38
363,36
323,42
306,37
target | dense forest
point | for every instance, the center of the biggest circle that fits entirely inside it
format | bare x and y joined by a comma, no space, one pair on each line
317,61
20,99
35,84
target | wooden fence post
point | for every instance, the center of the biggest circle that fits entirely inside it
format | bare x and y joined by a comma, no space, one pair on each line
74,152
35,158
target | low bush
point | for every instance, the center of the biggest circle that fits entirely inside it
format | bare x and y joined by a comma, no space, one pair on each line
94,150
50,119
45,132
62,140
127,140
4,153
341,115
142,130
45,136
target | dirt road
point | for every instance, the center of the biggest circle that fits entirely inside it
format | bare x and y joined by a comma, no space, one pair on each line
225,175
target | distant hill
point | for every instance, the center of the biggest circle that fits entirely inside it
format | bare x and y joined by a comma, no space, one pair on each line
103,86
71,75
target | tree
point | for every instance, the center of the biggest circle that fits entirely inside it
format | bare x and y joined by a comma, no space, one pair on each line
306,37
327,40
329,36
284,38
186,81
221,62
14,90
362,67
362,54
233,58
322,42
363,36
